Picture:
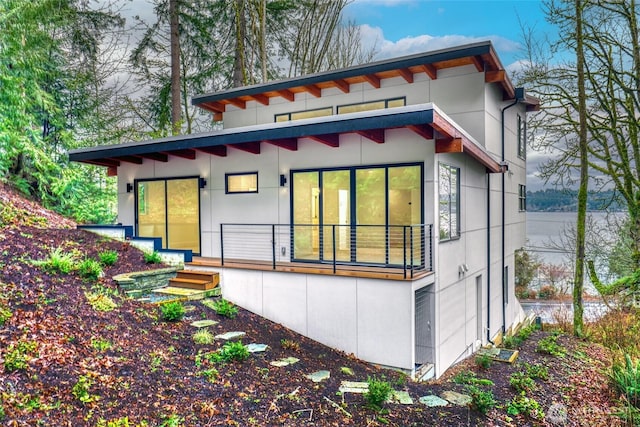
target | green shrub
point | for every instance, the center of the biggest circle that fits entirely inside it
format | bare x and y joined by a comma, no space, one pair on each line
172,420
100,301
525,406
378,393
225,308
17,356
626,379
90,269
481,400
512,341
172,311
5,314
120,422
152,258
108,257
525,333
230,352
470,378
2,415
101,344
549,345
483,361
210,374
521,382
290,345
203,336
57,262
537,371
81,390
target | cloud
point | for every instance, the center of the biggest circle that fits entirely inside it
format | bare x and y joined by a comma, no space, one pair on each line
374,36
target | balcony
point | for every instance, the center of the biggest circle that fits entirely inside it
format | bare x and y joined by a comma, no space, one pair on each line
376,251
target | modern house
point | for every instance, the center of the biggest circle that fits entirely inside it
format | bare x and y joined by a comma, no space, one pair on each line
375,209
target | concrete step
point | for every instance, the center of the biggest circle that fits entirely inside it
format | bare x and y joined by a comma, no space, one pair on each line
424,372
189,294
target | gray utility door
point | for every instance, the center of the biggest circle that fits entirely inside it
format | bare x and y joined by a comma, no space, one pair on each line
424,332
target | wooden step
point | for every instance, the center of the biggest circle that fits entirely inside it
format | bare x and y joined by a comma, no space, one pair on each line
210,276
192,279
191,284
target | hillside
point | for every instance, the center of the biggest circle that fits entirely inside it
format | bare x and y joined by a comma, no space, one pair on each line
70,358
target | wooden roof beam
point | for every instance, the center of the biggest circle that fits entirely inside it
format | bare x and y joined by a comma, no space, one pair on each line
431,71
185,154
287,94
478,62
423,130
330,139
373,80
103,162
290,144
249,147
112,171
238,103
313,90
217,117
216,107
495,76
216,150
449,145
406,74
376,135
341,84
129,159
262,99
158,157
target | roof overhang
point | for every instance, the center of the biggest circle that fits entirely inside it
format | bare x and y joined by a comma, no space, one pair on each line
426,120
480,55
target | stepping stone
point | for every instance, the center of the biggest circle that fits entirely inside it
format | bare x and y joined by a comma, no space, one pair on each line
285,361
256,348
456,398
347,371
203,323
432,401
354,387
231,335
401,397
318,376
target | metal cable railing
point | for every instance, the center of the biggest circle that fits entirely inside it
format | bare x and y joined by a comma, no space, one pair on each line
408,247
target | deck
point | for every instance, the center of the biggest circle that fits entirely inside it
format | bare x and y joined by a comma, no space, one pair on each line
370,272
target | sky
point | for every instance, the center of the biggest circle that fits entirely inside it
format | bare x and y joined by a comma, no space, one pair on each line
402,27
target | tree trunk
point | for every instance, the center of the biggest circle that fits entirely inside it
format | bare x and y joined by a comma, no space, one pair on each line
578,281
175,67
241,32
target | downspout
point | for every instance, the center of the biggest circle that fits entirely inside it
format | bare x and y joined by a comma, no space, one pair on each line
489,259
519,96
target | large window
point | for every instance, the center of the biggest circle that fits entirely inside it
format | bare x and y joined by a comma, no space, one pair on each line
522,137
522,197
449,201
169,209
358,214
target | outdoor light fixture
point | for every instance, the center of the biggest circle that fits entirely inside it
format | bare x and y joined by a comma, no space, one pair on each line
129,187
202,182
283,180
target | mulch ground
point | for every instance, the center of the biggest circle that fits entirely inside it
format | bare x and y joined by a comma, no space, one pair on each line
152,371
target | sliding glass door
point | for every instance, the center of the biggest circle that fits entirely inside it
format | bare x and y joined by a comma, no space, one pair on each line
357,214
169,209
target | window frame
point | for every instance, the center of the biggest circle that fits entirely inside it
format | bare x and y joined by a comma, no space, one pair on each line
452,170
235,174
522,198
386,104
522,137
291,113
